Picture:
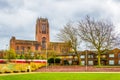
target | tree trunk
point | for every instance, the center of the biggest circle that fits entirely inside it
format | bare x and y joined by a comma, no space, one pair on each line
79,60
99,64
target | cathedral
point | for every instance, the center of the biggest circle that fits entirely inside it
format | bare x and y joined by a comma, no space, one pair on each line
41,43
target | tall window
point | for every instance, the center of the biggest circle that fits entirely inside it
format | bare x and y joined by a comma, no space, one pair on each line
43,28
111,55
82,62
82,56
22,47
43,42
17,48
119,62
90,56
28,48
36,46
90,62
111,62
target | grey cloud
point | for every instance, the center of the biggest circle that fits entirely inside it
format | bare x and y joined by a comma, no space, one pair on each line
18,17
10,6
4,4
116,0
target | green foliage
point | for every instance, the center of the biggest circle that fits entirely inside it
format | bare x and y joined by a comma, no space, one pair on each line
10,54
17,56
51,60
29,55
57,60
38,57
66,62
54,60
22,56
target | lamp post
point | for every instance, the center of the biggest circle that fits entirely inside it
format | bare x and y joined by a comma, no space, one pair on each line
6,46
86,61
46,55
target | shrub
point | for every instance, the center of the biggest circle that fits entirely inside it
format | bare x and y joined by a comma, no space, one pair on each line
57,60
22,56
66,62
51,60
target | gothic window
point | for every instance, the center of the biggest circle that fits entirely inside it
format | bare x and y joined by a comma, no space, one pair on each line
43,42
28,48
43,28
17,48
22,48
36,47
55,47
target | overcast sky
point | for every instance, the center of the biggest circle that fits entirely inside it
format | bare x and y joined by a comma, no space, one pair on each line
18,17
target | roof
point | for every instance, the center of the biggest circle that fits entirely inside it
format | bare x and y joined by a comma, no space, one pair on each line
57,42
26,42
70,54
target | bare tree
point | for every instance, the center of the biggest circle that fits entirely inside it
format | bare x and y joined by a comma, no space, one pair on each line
69,35
98,33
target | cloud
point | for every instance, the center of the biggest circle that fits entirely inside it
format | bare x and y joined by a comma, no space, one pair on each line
18,17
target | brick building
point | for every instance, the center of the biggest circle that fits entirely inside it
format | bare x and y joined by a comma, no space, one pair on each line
41,43
111,57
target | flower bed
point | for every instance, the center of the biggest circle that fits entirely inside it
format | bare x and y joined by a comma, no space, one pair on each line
21,65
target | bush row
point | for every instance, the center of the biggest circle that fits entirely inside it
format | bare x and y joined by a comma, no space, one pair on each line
54,60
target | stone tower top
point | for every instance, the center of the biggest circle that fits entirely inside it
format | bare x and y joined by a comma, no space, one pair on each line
42,31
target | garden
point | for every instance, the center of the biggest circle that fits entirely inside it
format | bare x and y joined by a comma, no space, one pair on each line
21,66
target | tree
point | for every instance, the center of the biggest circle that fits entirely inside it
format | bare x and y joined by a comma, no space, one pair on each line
98,33
69,35
29,55
10,54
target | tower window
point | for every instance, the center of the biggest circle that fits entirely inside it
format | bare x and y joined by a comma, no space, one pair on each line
43,28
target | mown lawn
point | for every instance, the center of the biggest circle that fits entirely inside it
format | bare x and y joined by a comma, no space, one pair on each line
62,76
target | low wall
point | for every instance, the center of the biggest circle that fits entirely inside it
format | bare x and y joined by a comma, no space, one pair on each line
23,61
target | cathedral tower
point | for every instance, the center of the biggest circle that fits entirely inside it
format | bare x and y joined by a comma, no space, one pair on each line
42,32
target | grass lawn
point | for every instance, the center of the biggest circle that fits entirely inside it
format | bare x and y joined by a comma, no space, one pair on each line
62,76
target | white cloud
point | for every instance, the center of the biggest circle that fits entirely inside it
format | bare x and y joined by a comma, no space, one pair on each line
18,17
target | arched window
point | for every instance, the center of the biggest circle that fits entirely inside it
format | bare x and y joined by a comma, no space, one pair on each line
43,28
36,46
17,48
43,42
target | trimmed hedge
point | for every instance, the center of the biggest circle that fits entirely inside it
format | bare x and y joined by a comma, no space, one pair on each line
52,61
57,60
